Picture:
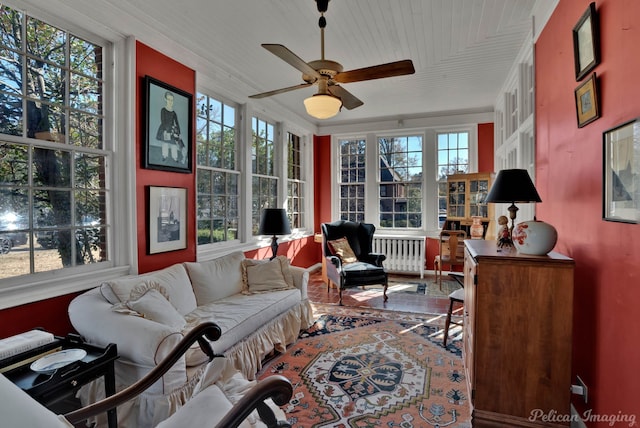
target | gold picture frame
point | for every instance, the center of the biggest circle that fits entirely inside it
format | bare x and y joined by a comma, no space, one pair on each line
586,94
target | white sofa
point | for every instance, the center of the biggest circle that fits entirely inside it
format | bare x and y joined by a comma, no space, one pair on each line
260,306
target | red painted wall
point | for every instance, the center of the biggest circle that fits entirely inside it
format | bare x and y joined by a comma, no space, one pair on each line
152,63
569,179
485,147
50,314
322,180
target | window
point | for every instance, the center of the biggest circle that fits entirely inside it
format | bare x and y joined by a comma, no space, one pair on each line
295,183
453,158
53,175
400,181
217,172
352,179
264,192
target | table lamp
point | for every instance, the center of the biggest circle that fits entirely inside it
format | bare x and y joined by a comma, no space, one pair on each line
274,221
511,186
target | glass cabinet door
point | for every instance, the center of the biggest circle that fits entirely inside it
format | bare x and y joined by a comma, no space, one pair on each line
478,190
457,196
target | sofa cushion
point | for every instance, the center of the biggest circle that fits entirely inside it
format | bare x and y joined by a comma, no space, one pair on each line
216,279
240,316
174,280
266,275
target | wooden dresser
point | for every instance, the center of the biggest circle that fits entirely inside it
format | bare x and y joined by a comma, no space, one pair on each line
517,334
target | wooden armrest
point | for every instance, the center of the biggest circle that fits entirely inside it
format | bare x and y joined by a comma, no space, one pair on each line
276,387
209,330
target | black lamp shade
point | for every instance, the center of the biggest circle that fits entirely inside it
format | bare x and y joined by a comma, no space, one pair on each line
513,185
274,221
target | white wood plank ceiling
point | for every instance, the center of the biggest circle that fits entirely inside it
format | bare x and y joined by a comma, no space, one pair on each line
462,50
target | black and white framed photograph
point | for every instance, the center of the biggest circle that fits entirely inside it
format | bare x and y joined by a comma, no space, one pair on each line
168,117
621,169
586,42
167,222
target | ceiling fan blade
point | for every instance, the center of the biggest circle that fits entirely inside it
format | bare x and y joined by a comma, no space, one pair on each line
398,68
280,91
349,100
292,59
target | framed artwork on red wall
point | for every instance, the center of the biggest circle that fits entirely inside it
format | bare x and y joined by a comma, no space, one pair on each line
621,170
586,42
587,108
167,222
168,115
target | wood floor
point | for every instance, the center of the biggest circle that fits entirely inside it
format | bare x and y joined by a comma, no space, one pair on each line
358,296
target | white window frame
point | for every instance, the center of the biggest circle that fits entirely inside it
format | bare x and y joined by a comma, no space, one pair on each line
118,90
423,184
211,249
430,186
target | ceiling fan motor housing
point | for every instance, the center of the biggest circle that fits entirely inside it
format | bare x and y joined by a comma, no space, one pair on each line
325,67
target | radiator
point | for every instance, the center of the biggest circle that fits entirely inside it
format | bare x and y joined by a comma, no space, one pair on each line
405,254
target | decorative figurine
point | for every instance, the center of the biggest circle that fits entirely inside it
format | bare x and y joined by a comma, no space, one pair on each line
504,234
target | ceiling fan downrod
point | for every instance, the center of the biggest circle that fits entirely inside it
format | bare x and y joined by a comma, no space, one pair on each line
322,23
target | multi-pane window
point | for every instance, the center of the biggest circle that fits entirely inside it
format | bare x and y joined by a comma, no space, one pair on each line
53,175
352,179
217,173
295,182
400,181
453,158
264,191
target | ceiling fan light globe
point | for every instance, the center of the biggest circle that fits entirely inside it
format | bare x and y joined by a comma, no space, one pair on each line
322,106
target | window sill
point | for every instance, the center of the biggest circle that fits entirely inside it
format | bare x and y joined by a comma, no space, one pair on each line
54,284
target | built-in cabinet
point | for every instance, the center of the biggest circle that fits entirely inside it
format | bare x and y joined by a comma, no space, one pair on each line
517,334
466,194
514,139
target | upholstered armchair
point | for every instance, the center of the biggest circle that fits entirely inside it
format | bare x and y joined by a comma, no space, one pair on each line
347,248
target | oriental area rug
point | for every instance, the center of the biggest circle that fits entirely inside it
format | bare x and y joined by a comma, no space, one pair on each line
362,367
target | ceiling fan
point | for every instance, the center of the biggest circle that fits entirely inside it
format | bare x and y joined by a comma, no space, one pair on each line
327,74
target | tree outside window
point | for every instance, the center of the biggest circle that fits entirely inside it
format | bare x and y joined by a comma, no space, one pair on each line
352,179
217,173
295,182
53,176
264,191
400,181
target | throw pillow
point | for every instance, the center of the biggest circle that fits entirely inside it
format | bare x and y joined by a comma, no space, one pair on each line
154,306
174,279
342,249
216,279
266,275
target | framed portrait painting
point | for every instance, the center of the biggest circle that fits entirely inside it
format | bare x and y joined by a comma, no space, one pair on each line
167,222
621,170
586,42
168,115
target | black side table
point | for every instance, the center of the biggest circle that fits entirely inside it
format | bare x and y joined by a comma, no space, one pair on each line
49,389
